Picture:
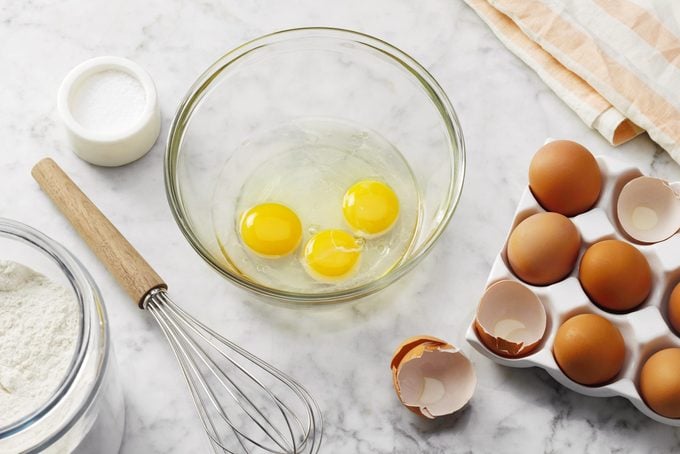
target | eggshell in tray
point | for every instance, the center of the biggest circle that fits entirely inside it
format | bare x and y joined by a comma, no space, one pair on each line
648,209
511,319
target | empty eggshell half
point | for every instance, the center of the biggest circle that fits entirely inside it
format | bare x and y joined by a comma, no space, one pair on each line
432,378
648,209
511,319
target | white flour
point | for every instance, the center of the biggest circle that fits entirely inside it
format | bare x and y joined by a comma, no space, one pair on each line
108,101
38,332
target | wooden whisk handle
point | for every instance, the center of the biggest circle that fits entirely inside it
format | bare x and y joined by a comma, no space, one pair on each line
120,257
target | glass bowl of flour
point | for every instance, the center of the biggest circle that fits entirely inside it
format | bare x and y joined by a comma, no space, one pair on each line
59,388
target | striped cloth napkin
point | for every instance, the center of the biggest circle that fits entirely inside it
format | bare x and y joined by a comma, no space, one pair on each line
616,63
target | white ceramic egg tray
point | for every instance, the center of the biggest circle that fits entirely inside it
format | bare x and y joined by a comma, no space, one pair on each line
645,330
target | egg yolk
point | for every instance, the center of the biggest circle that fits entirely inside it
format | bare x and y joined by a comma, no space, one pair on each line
370,207
332,254
271,229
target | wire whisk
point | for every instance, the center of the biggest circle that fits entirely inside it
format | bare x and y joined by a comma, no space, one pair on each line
281,431
245,404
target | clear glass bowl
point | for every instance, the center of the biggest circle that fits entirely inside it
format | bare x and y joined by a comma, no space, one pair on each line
86,413
313,72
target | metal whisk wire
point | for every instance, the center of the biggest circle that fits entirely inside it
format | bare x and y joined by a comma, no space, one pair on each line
185,335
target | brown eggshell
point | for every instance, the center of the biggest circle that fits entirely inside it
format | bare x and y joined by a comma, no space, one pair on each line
615,275
660,382
674,308
404,349
498,345
509,304
543,248
409,344
648,209
565,178
589,349
424,365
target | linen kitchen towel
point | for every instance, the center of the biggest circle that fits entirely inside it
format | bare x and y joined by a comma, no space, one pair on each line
616,63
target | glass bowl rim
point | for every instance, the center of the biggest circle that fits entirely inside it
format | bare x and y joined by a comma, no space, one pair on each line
437,96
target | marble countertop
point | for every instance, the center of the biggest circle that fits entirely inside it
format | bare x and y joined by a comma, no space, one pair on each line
506,113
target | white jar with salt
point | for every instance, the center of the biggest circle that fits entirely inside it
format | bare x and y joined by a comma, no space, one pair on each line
109,108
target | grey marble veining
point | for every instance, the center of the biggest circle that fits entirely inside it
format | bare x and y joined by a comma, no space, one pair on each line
342,353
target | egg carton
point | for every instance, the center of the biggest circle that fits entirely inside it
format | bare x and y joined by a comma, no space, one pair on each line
646,330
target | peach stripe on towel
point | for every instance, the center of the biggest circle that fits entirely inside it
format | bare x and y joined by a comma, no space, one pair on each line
646,26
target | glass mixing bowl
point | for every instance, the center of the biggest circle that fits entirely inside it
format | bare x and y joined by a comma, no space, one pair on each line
312,72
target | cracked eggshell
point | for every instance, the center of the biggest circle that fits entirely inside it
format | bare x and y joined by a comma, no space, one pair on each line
511,320
648,209
431,377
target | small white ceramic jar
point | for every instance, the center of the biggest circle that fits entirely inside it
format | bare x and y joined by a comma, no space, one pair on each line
109,108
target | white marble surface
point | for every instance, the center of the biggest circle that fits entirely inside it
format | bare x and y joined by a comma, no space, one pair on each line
341,353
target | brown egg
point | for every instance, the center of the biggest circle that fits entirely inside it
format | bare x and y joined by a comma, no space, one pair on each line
674,308
660,382
589,349
543,248
615,275
565,178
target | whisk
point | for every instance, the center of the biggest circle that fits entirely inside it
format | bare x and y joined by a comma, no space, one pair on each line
245,404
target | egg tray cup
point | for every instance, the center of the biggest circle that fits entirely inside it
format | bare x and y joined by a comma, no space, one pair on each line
645,329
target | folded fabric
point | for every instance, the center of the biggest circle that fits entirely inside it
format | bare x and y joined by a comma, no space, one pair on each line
616,63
